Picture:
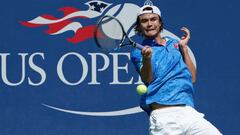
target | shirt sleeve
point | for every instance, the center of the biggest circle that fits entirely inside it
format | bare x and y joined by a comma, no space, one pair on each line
136,58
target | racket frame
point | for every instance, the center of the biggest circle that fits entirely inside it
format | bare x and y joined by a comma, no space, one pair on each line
124,37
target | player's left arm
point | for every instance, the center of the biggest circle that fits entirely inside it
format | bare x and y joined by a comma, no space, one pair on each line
183,43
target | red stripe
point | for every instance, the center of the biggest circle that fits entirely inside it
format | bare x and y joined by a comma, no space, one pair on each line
68,10
49,17
53,28
83,34
31,25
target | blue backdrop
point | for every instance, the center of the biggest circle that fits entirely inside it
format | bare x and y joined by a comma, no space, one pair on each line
51,63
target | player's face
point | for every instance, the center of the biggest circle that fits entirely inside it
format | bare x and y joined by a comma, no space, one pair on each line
150,25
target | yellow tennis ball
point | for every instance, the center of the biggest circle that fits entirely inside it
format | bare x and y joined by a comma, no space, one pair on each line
141,89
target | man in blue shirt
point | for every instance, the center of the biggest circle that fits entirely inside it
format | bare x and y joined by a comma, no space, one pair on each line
169,75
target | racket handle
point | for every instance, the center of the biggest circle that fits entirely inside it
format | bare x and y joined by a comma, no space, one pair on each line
138,46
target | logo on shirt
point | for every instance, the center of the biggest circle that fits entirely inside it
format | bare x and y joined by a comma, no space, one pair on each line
176,46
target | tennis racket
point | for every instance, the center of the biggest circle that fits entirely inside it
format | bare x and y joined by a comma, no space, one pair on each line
110,35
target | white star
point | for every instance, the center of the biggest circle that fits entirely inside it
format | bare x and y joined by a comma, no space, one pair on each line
92,7
101,9
99,2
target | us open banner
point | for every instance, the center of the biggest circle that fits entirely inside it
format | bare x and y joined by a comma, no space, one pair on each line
54,80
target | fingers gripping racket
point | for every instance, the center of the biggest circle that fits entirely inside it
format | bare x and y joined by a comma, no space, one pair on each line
111,36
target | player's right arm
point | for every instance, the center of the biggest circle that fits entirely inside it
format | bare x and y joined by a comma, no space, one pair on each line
146,70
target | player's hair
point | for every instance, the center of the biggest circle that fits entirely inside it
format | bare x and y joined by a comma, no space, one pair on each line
137,24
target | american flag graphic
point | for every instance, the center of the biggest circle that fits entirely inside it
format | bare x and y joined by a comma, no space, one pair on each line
66,23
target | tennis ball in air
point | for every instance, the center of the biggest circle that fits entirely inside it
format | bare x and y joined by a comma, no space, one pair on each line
141,89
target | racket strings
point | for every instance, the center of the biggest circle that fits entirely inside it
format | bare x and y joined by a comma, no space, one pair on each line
109,34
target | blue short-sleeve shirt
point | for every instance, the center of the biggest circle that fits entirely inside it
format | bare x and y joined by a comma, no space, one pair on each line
172,80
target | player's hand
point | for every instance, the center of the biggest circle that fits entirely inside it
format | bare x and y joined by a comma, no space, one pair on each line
185,38
147,52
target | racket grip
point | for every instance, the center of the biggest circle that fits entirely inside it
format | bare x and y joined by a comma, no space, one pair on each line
138,46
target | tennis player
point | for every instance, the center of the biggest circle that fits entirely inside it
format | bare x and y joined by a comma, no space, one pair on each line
169,76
